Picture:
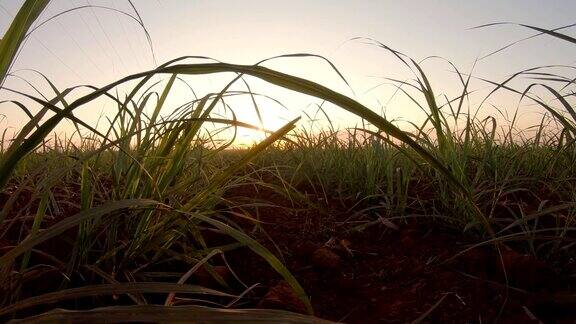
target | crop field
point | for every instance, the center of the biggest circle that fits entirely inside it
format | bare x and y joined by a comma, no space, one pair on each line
159,218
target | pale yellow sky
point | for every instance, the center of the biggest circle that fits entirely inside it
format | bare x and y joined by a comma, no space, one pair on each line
96,46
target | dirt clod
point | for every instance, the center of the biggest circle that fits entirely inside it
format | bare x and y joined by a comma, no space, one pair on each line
324,259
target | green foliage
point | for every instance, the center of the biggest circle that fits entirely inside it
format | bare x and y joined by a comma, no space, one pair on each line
17,32
143,192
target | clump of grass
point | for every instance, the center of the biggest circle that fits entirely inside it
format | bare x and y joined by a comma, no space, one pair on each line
143,192
503,185
149,205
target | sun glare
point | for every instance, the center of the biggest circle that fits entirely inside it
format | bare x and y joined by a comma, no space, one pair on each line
271,120
154,166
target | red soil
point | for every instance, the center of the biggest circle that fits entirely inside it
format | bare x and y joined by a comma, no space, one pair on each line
380,274
396,276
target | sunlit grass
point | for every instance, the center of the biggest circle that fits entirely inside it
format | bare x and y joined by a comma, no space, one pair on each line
144,191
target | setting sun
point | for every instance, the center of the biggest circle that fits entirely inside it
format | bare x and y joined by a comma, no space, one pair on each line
287,161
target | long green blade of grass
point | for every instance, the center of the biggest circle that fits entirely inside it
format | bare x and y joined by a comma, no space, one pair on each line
281,79
12,39
109,289
172,314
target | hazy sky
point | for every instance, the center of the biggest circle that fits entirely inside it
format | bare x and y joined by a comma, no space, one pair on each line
96,46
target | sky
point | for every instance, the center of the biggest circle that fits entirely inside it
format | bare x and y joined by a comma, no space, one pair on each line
97,46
